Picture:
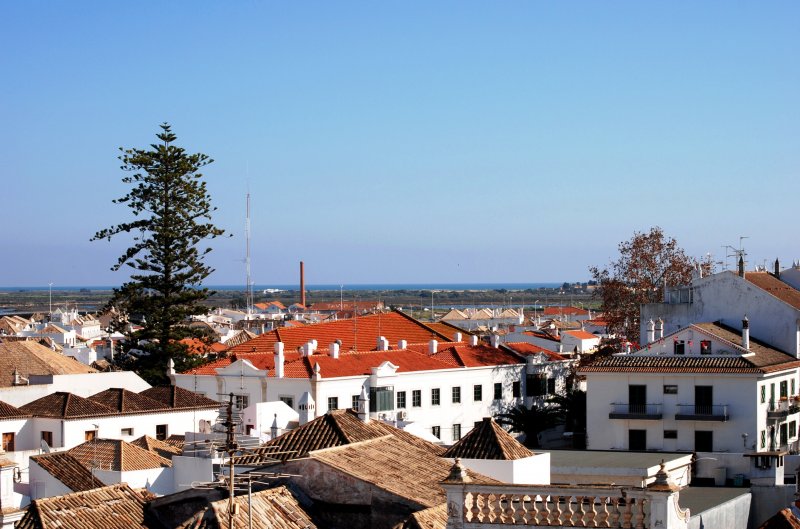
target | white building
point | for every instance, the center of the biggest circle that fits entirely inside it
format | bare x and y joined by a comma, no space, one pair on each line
706,387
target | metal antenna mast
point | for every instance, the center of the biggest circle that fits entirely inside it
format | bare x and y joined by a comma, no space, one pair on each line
249,293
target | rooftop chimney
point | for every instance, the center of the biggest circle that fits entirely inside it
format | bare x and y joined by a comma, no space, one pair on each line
746,333
402,344
473,340
334,350
651,331
433,346
278,359
302,285
457,337
306,407
383,343
363,405
659,329
741,266
495,340
777,269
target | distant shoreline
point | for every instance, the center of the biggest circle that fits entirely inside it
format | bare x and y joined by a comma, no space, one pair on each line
377,287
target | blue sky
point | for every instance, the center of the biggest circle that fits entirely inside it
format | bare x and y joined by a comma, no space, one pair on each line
394,142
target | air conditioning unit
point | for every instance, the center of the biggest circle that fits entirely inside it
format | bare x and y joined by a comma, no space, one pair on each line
402,415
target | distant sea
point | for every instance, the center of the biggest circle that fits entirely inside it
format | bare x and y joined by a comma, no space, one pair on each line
345,287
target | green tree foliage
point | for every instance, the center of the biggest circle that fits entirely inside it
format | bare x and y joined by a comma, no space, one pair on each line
647,262
172,217
530,421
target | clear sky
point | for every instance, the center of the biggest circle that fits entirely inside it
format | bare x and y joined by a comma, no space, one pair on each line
394,142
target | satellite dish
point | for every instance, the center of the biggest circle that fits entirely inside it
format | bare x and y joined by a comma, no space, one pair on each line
45,447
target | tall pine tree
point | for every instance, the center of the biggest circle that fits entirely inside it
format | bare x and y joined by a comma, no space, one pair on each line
172,217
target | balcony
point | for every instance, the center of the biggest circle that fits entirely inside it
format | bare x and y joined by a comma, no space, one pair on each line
702,412
645,412
782,409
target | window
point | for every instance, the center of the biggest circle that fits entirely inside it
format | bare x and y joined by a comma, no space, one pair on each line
240,402
289,401
703,441
161,432
793,388
456,432
354,402
637,439
381,398
705,347
670,390
498,391
670,434
535,385
47,437
436,431
435,397
416,398
477,392
515,389
456,394
126,431
784,386
763,394
551,386
401,399
763,439
8,442
679,347
89,435
333,403
793,429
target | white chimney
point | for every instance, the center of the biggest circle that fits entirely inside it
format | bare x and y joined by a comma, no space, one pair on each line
495,340
473,340
363,405
433,346
383,343
402,344
306,407
651,331
308,349
334,350
659,329
279,359
746,333
457,337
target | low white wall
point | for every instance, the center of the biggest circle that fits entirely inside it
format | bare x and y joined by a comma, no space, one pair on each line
525,471
191,470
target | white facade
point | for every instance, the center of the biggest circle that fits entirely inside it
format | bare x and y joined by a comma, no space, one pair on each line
686,409
525,471
81,384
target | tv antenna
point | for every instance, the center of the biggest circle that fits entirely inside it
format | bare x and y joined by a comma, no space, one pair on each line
249,287
739,253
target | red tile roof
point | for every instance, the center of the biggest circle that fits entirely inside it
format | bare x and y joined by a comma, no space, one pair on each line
178,398
525,348
582,335
195,346
63,405
361,333
488,441
68,470
125,401
774,286
7,411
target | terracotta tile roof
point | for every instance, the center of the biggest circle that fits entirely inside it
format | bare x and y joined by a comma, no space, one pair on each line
394,466
268,304
347,305
124,401
178,398
772,285
293,323
31,358
116,455
52,328
784,519
764,359
68,470
582,335
361,333
7,411
488,441
240,337
335,428
272,509
113,507
157,447
63,405
196,346
353,363
542,335
176,441
430,518
567,311
525,349
449,330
